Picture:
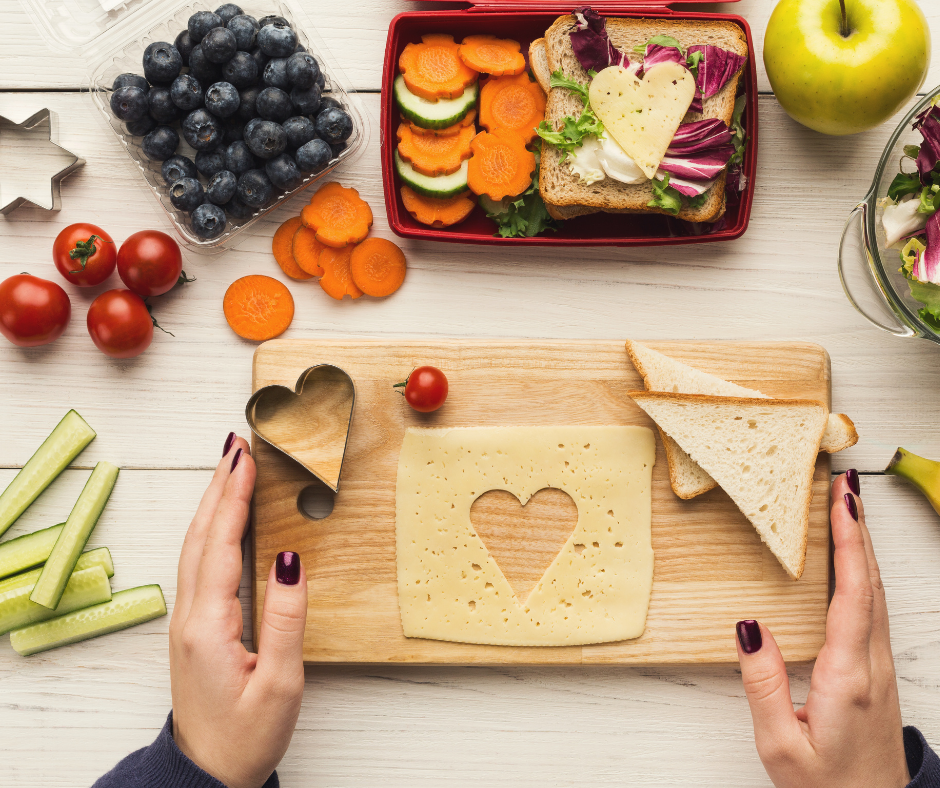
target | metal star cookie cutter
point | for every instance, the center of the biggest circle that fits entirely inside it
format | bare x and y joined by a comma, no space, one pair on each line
23,155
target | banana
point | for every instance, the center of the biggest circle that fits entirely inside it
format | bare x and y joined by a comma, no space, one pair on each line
924,474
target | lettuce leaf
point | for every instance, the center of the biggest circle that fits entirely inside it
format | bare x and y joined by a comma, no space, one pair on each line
524,216
665,197
573,130
904,184
929,296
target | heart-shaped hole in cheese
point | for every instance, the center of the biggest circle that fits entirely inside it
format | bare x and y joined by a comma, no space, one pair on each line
642,115
524,540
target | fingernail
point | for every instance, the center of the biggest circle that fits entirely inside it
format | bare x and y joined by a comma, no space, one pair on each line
851,506
749,635
238,456
287,570
851,476
228,443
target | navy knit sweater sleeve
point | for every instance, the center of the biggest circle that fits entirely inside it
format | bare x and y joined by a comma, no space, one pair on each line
163,765
922,762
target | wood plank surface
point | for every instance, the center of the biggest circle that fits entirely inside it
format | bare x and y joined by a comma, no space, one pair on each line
711,569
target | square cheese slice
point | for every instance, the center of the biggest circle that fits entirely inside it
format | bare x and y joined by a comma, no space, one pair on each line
598,587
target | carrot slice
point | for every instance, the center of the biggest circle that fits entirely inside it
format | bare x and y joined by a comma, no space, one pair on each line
432,155
337,279
282,248
432,68
436,212
514,103
307,250
258,307
492,55
378,267
466,120
338,216
501,166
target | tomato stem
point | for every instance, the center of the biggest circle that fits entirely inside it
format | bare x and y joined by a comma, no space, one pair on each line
155,323
403,383
82,251
184,278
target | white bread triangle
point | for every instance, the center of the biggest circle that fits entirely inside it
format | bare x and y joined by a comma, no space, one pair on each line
761,451
663,373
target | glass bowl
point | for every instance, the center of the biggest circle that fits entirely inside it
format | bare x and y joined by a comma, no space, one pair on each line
870,271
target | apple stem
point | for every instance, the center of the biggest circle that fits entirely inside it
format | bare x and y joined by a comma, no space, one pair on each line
845,20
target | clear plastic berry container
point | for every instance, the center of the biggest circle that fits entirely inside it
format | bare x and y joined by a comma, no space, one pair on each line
112,35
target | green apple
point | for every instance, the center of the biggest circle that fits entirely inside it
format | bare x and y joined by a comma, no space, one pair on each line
844,66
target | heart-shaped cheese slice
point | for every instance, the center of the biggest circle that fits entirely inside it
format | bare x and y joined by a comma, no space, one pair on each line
642,115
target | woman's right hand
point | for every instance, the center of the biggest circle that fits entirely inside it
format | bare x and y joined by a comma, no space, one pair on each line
849,732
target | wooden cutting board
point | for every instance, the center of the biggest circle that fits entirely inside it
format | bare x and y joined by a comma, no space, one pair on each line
711,569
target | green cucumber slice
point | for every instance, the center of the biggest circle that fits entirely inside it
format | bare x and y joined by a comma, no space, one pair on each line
100,556
434,114
28,551
126,609
63,445
440,186
85,588
74,536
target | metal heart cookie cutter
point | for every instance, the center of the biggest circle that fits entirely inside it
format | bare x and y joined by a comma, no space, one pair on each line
309,423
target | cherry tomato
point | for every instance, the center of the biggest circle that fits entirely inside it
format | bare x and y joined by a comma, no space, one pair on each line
33,311
119,324
84,254
425,389
149,263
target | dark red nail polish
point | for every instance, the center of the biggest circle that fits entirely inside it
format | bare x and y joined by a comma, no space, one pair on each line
238,456
228,443
749,635
851,476
287,569
851,506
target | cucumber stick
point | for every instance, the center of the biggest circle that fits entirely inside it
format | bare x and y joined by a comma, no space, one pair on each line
100,556
74,536
28,551
85,588
126,609
63,445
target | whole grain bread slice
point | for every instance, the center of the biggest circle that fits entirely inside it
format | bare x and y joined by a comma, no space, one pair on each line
562,191
761,451
538,62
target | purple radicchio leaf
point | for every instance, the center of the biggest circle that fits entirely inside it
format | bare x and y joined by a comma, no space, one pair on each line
930,261
656,54
928,124
688,187
591,43
698,153
715,68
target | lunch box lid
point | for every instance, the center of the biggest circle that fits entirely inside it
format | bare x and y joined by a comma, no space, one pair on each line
627,6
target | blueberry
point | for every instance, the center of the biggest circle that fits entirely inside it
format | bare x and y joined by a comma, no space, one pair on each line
203,70
302,70
209,162
177,167
266,139
160,144
201,23
306,100
129,103
245,29
219,45
275,74
326,102
130,80
337,149
274,104
139,128
208,221
186,92
228,12
283,173
260,58
321,81
237,209
221,187
184,45
299,130
201,130
162,108
233,130
239,159
186,194
241,70
162,63
313,156
254,188
246,107
270,20
334,125
246,132
300,48
277,39
222,99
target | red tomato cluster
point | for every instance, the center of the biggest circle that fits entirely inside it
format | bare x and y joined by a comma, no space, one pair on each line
35,311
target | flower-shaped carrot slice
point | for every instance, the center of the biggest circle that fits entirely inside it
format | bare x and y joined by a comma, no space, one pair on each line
431,155
492,55
338,216
432,68
434,211
501,166
513,103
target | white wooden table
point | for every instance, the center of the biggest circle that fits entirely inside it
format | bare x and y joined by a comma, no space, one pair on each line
67,716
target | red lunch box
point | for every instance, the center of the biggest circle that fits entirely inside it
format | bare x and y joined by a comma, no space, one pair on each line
525,22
